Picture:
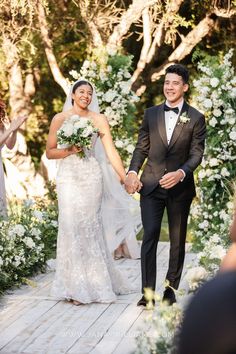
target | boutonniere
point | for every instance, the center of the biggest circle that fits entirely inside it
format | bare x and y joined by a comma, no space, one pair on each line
184,118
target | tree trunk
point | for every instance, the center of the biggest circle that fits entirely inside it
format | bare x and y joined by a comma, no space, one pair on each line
183,49
52,61
129,17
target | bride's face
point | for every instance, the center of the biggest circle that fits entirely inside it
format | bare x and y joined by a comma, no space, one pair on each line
83,96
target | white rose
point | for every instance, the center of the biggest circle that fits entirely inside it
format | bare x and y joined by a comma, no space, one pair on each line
214,82
204,225
86,64
18,230
125,87
68,129
127,75
213,122
217,252
87,132
109,96
119,144
29,242
54,223
35,232
207,103
195,275
232,135
217,112
130,148
223,215
215,238
38,215
231,120
1,261
225,172
82,123
214,162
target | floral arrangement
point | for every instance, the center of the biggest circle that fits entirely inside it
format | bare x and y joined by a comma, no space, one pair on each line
76,131
109,72
215,93
27,240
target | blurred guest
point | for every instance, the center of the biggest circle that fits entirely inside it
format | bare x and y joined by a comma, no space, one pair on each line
8,131
209,324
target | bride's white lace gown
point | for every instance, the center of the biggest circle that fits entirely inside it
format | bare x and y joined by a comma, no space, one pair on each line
85,270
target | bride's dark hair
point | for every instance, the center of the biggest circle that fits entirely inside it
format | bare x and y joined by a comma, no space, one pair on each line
78,84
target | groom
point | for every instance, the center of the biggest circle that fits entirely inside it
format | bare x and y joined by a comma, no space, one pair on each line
171,138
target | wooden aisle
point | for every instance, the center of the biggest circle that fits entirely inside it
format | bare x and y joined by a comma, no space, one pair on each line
33,323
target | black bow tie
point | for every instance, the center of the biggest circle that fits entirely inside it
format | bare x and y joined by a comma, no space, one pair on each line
174,109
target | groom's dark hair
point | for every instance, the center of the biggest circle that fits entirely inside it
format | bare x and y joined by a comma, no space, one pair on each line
179,70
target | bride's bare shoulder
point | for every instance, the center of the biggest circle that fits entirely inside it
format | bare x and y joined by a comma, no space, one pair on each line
59,118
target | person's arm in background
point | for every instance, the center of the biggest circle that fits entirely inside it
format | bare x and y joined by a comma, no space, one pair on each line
8,136
229,261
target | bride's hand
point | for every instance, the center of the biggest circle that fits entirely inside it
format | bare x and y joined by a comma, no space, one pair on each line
74,149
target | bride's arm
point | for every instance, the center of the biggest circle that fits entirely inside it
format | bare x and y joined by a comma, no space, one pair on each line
52,152
111,152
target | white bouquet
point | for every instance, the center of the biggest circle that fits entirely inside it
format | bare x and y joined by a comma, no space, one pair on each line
76,131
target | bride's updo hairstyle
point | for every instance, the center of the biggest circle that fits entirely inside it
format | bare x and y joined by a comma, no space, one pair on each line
3,118
78,84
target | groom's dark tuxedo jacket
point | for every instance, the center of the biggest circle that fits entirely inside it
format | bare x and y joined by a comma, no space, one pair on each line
184,151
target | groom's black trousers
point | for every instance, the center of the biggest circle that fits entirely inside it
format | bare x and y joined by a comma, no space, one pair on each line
152,209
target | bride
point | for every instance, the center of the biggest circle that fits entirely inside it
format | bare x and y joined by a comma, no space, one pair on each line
94,209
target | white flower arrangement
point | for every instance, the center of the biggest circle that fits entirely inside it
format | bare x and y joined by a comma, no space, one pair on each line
26,237
116,99
76,131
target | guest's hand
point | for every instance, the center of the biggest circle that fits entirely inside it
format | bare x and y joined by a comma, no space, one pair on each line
171,179
17,122
132,183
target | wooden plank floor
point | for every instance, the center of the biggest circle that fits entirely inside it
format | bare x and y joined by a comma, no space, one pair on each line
33,323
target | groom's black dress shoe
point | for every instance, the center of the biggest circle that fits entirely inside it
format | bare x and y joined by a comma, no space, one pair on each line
144,302
169,296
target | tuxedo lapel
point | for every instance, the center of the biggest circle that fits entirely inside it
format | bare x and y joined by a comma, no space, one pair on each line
161,126
179,126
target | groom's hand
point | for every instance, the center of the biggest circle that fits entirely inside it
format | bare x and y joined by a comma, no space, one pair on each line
132,183
170,179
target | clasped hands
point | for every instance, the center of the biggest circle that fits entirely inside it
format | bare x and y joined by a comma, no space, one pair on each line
169,180
132,183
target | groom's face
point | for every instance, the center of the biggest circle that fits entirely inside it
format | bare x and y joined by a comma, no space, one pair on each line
174,88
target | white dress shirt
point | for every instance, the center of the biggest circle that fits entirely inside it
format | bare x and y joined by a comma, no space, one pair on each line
171,119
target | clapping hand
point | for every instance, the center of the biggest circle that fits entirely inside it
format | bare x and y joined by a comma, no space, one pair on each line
132,183
16,123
